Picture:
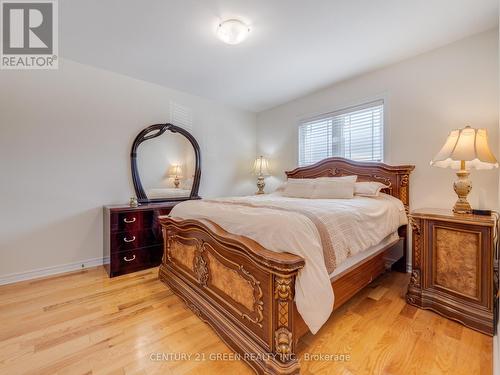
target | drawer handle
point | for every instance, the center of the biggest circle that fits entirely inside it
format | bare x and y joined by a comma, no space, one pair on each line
129,260
129,221
127,240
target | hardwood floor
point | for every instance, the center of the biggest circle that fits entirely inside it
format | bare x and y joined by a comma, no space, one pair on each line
85,323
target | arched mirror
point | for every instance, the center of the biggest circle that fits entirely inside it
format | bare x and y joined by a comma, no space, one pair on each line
166,164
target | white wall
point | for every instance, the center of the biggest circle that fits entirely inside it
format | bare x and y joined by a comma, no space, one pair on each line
65,139
426,97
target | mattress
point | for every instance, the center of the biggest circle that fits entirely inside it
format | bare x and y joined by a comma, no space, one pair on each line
360,257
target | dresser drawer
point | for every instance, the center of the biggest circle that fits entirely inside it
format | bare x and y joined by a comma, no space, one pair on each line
133,239
134,260
131,220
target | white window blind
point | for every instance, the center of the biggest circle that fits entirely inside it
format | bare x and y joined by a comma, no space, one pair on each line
355,133
181,116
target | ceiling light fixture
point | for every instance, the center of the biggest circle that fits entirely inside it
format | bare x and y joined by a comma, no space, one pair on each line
232,31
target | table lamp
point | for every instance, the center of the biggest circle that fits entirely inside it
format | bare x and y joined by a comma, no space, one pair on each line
465,149
261,169
175,172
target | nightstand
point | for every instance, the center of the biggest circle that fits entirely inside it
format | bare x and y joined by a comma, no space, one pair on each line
455,268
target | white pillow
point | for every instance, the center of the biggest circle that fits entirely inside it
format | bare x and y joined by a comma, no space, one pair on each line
349,178
319,188
368,188
299,188
281,187
334,188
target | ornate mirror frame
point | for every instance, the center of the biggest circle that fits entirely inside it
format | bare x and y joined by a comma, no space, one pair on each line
154,131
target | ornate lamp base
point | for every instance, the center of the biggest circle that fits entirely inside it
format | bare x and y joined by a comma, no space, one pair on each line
260,185
462,187
176,182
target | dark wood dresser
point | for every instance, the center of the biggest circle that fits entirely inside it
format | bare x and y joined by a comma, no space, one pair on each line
132,237
455,267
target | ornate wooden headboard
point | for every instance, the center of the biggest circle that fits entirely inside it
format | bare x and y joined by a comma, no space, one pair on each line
396,177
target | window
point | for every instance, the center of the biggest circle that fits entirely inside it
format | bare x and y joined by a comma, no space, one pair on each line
355,133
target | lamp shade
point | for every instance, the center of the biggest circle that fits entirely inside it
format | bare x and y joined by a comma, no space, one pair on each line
261,166
175,170
468,145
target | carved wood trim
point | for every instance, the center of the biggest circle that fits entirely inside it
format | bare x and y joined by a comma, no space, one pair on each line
283,338
403,191
415,286
415,277
283,294
200,267
182,250
238,284
417,241
258,304
277,262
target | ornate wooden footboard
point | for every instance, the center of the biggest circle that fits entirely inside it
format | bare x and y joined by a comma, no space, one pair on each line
242,290
246,292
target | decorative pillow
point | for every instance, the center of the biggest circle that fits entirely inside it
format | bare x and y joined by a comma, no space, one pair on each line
368,188
299,188
334,188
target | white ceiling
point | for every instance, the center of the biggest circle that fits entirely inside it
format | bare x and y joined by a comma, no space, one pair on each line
295,46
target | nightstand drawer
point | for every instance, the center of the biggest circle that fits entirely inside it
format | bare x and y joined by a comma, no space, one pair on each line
134,260
129,240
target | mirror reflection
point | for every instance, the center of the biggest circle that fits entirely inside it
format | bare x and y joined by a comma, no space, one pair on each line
166,166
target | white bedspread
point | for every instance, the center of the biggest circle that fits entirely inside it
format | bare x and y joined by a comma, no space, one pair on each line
354,225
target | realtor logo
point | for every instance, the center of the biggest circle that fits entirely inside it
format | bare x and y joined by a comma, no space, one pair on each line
29,34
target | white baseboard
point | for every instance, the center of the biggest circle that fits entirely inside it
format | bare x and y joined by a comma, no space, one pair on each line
53,270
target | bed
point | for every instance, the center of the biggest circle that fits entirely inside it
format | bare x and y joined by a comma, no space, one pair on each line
253,297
